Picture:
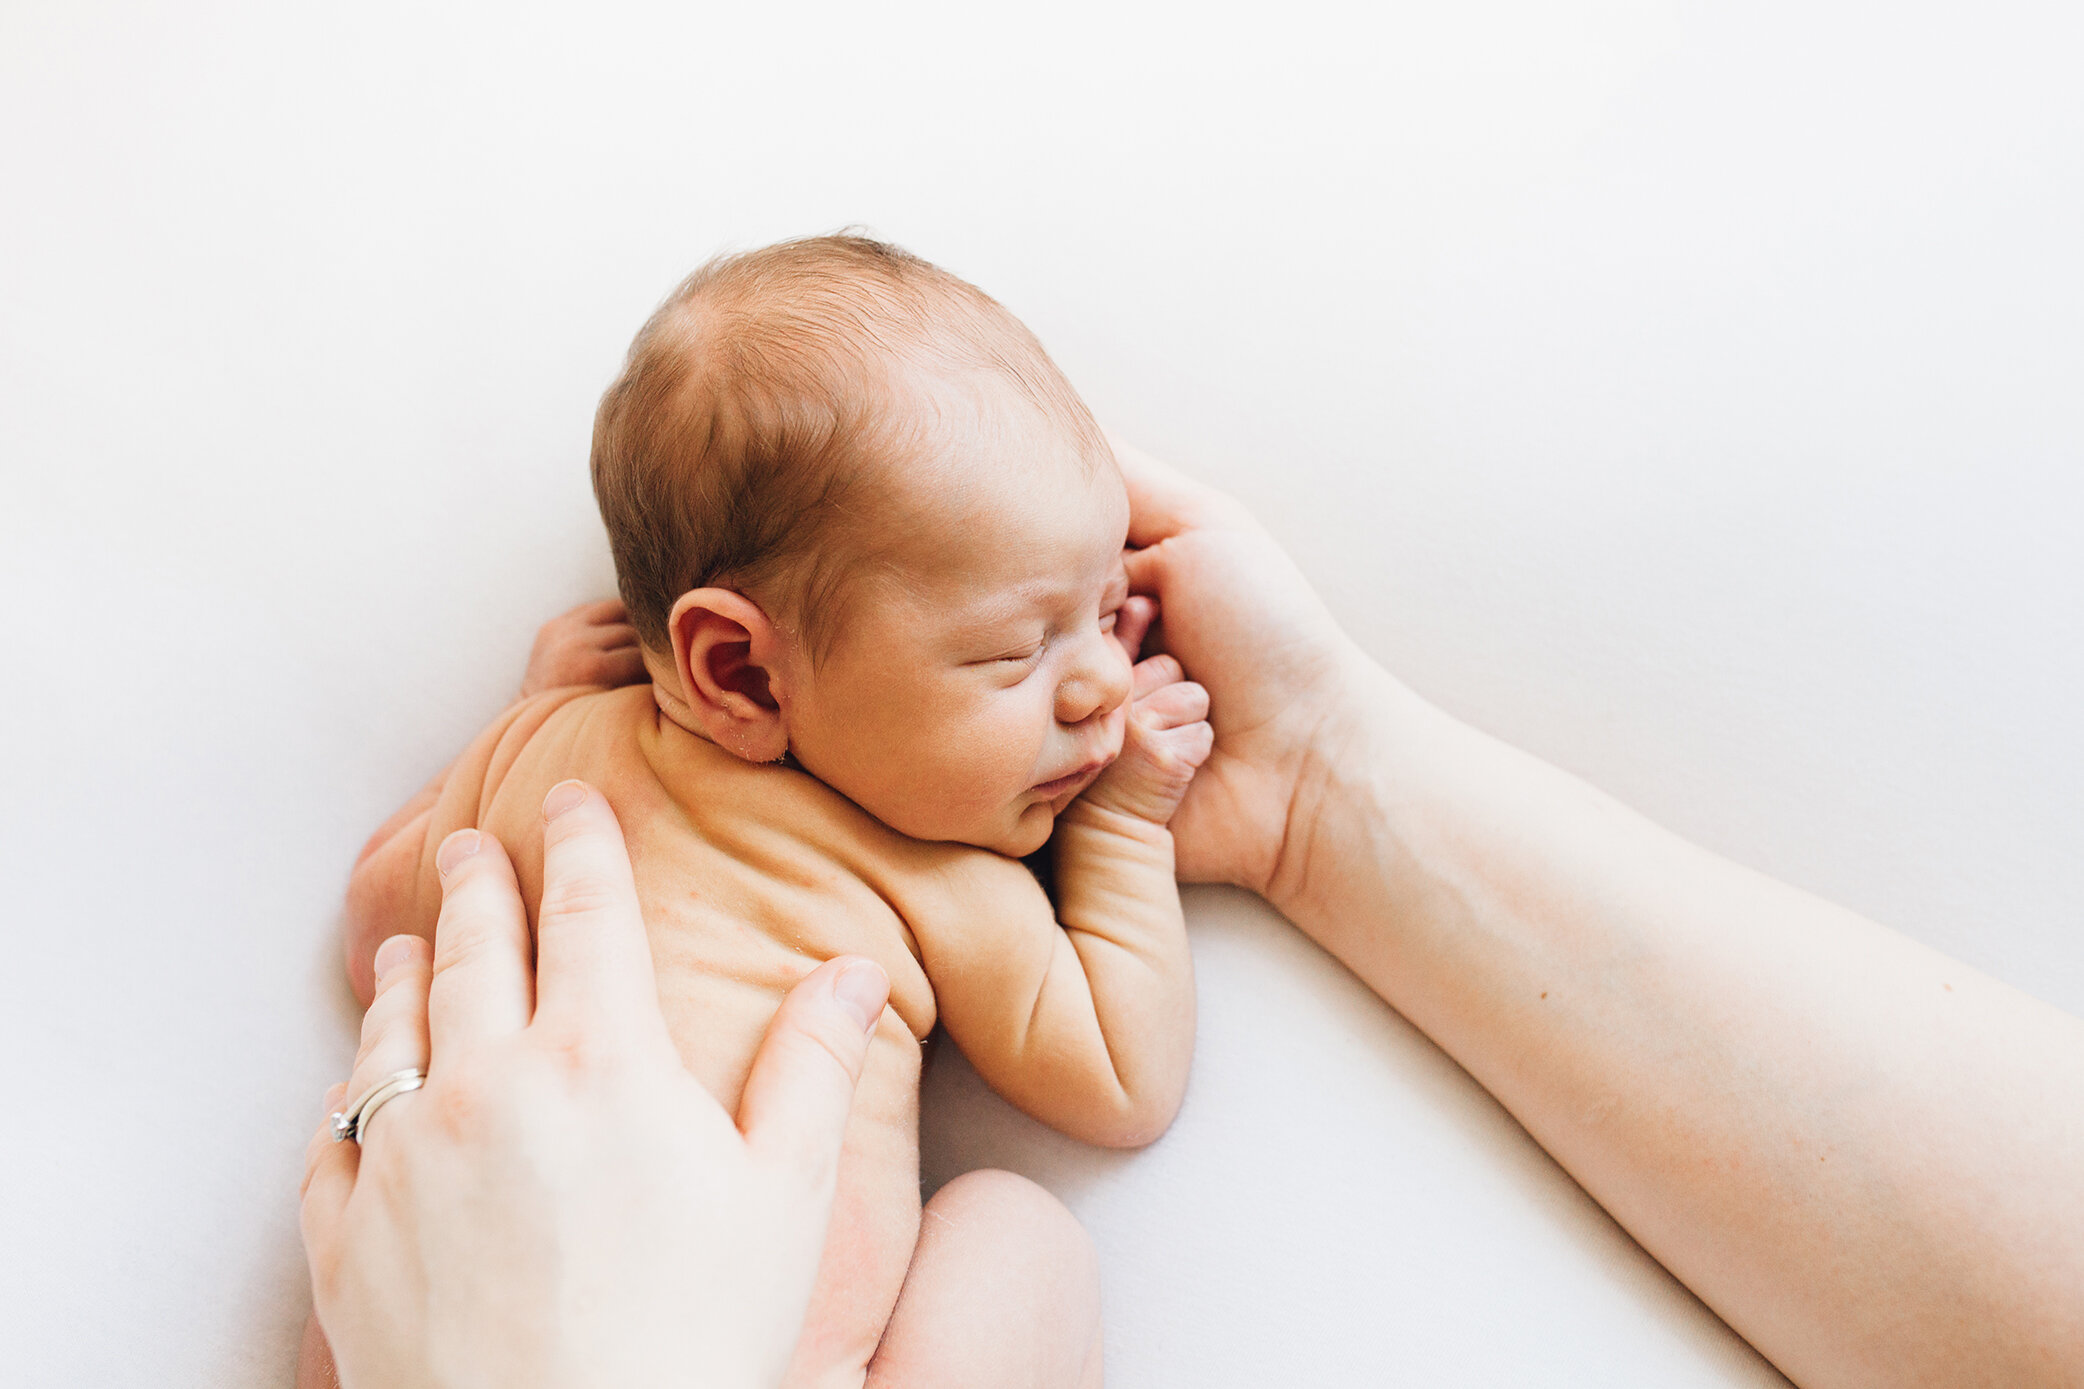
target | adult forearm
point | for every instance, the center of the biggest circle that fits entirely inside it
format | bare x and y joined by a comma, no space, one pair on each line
1866,1157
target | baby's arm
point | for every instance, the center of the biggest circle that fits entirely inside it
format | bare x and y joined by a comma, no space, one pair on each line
1090,1027
391,888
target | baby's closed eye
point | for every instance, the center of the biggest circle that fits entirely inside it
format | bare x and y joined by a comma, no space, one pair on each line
1023,653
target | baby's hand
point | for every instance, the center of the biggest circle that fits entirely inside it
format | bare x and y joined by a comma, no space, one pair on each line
1167,739
591,645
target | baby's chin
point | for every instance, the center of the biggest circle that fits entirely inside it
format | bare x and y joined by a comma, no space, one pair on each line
1029,831
1014,832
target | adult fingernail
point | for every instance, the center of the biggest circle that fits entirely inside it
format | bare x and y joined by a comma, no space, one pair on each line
563,797
456,848
862,988
391,954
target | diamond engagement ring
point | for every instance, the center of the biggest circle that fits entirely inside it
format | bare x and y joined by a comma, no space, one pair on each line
351,1122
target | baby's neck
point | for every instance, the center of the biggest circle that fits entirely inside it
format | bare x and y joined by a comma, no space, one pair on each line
675,709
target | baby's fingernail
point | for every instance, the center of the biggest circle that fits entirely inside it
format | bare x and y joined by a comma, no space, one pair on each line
563,797
862,988
391,954
456,848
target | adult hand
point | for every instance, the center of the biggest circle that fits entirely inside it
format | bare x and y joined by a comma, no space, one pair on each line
1245,624
1731,1067
562,1203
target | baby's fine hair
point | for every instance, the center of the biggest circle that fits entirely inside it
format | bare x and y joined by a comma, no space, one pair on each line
757,401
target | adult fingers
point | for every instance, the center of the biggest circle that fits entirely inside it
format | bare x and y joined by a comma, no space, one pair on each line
593,963
394,1030
394,1038
481,985
1162,500
322,1143
1146,570
329,1175
801,1088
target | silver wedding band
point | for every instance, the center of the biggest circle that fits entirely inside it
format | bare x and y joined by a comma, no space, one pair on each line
351,1123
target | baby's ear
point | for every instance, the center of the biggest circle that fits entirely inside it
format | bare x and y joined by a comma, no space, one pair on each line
724,651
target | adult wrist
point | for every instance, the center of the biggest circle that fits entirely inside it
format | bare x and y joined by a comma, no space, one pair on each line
1340,809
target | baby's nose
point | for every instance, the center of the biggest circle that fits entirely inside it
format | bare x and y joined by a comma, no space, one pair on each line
1097,684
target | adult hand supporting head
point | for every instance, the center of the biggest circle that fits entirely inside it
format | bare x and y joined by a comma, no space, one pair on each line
1245,623
562,1203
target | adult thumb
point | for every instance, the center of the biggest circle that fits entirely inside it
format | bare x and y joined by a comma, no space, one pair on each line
801,1089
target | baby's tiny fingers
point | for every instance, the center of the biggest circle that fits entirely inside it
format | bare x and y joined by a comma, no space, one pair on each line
1181,749
1154,674
1171,706
613,636
1132,623
1197,741
623,666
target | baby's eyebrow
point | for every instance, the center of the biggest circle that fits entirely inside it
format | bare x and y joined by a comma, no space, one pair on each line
988,624
1003,616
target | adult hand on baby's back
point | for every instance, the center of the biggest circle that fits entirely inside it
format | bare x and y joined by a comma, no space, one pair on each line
593,644
1244,623
562,1203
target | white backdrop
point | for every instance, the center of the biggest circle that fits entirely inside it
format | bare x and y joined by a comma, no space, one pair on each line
1688,393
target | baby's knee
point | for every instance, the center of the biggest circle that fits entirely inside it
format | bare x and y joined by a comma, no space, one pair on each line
1004,1289
1014,1206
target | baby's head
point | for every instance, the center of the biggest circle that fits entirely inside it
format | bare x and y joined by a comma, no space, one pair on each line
859,516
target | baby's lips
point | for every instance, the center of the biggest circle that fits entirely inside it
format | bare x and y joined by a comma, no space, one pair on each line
1056,786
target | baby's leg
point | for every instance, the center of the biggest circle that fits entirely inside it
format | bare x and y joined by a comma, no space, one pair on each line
1003,1293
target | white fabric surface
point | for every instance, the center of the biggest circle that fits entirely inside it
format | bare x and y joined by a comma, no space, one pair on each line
1686,393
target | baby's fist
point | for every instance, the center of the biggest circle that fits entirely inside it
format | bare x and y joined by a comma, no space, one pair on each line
1167,739
591,645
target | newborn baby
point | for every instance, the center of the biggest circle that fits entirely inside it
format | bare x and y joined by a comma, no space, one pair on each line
869,541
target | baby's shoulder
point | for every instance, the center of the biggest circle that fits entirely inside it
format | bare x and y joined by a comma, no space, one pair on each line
773,815
943,886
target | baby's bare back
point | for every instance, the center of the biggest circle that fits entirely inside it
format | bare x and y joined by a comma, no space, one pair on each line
750,877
